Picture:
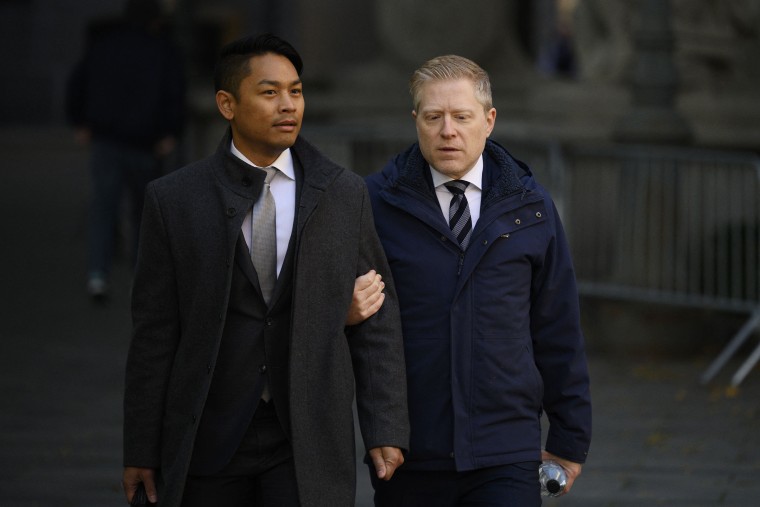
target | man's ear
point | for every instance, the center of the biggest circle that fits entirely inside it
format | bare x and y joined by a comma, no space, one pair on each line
490,120
225,101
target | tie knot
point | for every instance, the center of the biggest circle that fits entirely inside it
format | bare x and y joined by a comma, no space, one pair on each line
457,187
271,172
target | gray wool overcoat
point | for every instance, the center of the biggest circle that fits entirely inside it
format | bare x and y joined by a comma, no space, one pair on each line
191,224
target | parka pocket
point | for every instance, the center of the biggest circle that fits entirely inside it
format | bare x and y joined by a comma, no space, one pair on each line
519,218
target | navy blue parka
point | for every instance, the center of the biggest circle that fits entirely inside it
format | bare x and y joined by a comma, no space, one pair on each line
492,335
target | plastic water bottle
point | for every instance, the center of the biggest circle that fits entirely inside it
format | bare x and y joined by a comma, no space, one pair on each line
552,477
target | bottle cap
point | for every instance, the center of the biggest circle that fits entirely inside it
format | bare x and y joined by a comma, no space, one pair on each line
553,486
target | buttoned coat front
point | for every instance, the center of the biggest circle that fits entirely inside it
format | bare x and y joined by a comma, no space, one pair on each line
191,224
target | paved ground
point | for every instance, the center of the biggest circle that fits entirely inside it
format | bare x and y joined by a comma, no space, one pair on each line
660,438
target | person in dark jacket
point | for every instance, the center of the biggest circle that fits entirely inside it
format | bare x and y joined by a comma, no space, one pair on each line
241,374
489,306
126,98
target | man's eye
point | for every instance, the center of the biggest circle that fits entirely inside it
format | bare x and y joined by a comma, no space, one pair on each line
296,91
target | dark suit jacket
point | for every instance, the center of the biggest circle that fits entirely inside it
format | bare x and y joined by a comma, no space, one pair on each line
253,352
191,224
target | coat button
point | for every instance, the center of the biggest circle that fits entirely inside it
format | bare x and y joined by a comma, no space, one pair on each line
517,221
538,214
246,181
231,212
451,455
269,322
263,368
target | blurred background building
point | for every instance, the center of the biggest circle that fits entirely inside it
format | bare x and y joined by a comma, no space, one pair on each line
563,69
641,116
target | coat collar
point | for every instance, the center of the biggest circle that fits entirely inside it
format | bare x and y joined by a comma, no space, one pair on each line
241,184
235,175
318,174
501,175
246,181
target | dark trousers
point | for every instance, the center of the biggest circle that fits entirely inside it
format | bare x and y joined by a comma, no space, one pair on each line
260,474
115,169
501,486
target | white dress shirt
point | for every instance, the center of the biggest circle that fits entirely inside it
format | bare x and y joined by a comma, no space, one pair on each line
283,188
473,192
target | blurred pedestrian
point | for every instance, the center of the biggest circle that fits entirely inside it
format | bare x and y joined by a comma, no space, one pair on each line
126,98
242,372
489,306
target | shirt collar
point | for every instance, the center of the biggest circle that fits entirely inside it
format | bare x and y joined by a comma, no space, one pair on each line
474,176
284,162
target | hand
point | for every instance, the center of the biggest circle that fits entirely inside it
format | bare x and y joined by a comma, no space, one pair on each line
573,469
132,478
368,298
386,461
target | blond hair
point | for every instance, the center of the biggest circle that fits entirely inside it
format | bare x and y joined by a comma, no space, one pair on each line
452,67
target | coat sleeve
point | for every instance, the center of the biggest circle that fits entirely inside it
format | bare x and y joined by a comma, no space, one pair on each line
377,352
156,329
559,348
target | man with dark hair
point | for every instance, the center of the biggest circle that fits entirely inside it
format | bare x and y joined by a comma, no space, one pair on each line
126,98
242,371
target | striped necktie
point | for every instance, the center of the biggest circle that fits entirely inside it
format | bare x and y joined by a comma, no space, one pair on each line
459,212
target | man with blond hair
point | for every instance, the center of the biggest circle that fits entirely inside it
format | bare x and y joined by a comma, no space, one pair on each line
489,306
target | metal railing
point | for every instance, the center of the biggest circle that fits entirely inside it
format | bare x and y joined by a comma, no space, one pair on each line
670,226
666,225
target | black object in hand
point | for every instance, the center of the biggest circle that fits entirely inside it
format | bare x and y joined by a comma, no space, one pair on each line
140,497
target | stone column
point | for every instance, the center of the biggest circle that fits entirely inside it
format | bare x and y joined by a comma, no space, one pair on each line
653,117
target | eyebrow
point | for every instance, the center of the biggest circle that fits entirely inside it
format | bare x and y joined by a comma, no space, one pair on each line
277,83
442,109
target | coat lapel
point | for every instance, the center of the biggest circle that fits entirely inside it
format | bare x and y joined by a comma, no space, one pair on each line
239,189
317,175
243,261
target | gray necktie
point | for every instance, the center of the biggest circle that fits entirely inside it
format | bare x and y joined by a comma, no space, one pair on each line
264,238
459,212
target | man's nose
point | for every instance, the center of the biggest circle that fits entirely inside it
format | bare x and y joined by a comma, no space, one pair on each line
447,128
287,103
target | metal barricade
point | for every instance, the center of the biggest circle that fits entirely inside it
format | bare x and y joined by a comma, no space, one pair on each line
666,225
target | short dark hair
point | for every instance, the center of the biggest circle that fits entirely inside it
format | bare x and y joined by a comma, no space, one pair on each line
233,64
